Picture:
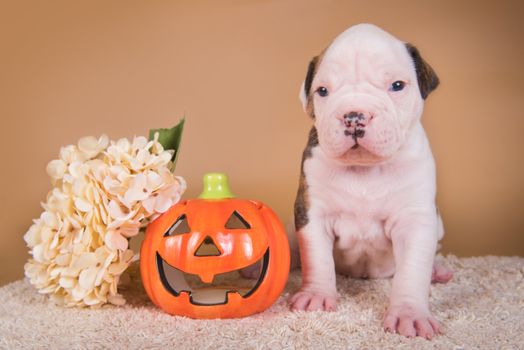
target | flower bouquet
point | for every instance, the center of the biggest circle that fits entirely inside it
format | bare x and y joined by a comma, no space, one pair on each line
104,192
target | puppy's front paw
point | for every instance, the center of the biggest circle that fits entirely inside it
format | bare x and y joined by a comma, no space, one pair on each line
312,301
411,321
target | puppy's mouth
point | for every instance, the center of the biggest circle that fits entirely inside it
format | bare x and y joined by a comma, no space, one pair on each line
176,281
355,133
359,154
363,155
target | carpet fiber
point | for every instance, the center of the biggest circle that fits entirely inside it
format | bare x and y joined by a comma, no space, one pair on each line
482,307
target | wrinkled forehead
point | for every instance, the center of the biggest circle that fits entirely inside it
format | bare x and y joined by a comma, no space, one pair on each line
366,50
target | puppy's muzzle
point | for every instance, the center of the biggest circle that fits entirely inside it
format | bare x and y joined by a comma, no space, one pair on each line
355,123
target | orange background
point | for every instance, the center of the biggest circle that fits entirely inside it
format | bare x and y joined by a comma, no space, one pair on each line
234,68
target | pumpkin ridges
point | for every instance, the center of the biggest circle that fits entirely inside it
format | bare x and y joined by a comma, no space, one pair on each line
212,224
266,233
162,223
147,276
278,269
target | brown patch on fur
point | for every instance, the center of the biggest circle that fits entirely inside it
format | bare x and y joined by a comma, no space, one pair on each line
302,200
426,76
308,81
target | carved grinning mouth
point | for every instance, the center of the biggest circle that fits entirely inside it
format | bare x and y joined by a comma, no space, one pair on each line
215,293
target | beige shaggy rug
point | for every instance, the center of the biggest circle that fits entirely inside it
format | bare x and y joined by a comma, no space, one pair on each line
481,308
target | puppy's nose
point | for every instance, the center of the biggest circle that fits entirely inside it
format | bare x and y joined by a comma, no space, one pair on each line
356,119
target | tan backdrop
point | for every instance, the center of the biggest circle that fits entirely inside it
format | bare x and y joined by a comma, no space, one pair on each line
75,68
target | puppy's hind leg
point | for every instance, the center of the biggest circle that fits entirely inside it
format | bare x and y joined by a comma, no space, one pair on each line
441,274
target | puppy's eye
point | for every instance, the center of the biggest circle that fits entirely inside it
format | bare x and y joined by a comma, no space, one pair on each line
322,91
398,85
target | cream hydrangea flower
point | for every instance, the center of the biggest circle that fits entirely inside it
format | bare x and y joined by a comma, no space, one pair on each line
91,146
104,193
161,201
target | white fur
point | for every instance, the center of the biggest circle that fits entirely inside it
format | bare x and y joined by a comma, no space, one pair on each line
372,209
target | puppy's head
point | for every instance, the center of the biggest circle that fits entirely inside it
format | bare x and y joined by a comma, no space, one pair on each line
365,92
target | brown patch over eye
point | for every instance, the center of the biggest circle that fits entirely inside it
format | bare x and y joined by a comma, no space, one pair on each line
308,81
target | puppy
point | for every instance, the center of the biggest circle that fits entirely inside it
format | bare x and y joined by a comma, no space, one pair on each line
366,200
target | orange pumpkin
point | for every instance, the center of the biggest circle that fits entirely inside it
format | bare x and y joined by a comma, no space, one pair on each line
203,239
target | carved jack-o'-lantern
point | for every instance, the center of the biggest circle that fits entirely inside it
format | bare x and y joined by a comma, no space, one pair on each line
190,253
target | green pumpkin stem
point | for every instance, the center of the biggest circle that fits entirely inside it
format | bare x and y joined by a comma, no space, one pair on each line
216,186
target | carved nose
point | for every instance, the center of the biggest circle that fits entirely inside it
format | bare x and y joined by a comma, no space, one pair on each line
208,248
355,119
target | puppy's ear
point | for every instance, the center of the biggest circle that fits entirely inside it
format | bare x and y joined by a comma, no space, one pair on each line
426,76
303,97
305,88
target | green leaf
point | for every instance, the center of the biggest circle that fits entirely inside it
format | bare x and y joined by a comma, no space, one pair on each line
170,138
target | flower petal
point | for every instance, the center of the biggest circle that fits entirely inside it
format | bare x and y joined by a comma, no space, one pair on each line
115,240
130,229
56,168
91,146
91,299
39,253
86,280
67,282
49,219
139,142
135,195
84,261
163,203
182,184
154,181
117,268
116,211
63,259
82,205
78,293
149,204
32,236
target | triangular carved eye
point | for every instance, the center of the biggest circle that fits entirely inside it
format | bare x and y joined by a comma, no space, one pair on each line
179,227
236,221
208,248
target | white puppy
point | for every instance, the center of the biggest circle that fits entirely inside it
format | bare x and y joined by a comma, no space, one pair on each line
366,201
